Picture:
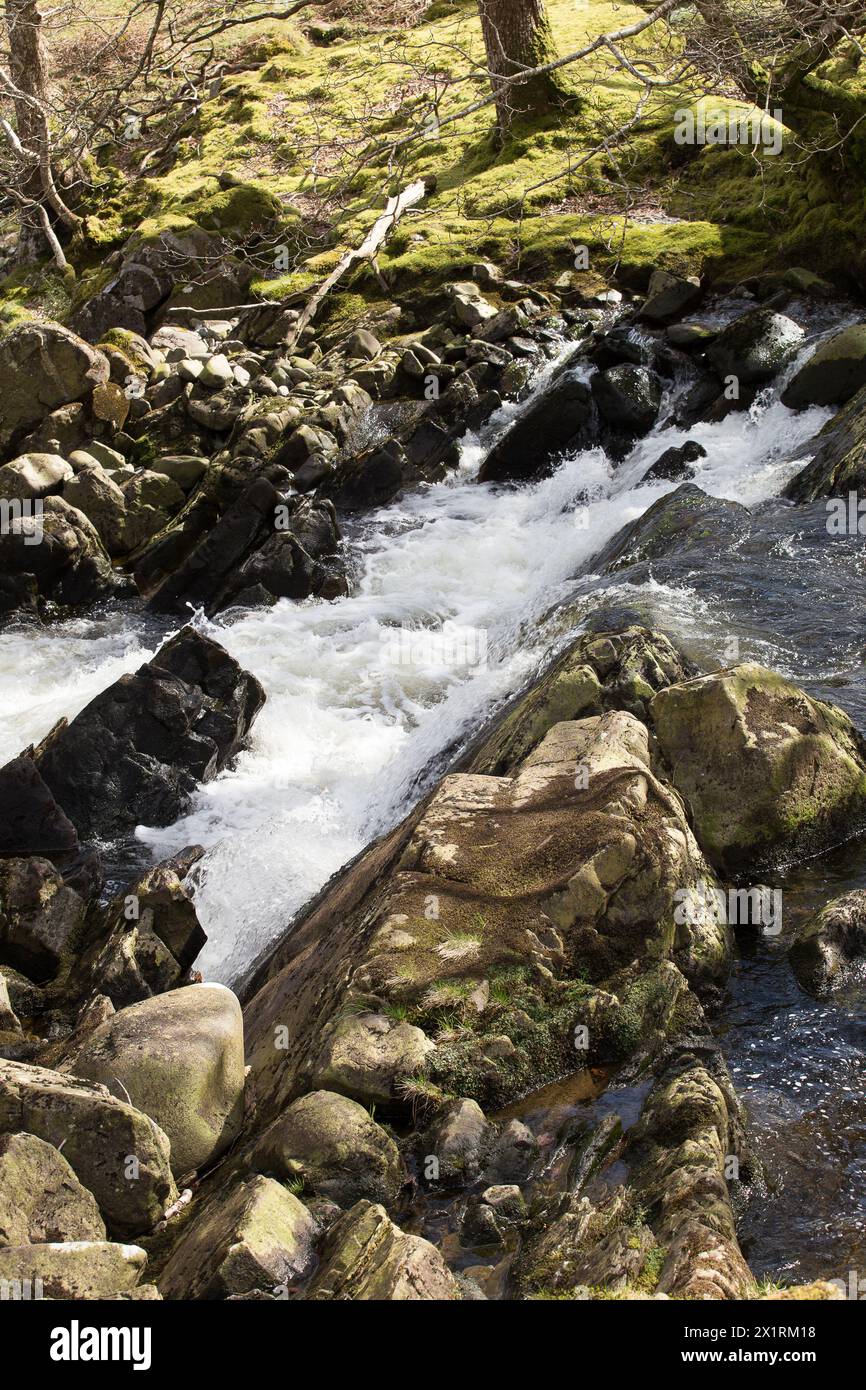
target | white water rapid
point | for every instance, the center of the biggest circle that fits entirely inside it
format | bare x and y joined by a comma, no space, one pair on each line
359,707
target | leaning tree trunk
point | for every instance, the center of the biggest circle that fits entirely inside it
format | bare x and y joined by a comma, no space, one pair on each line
517,37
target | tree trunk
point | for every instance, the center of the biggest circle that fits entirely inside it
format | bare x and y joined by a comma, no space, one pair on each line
517,36
29,72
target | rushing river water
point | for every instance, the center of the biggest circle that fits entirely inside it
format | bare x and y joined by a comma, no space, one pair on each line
461,590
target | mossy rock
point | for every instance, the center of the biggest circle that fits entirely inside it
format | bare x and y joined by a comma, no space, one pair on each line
766,771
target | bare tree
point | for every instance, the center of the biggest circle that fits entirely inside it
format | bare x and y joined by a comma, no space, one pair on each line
517,40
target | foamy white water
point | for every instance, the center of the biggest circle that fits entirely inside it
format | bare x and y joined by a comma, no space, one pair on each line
365,693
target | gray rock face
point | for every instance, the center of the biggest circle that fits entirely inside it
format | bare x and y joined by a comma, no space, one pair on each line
34,475
43,366
41,1199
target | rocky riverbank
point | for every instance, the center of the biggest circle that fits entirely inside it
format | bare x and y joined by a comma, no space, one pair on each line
393,1104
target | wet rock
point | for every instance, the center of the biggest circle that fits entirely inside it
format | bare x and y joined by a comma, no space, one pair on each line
137,751
754,347
513,1155
601,671
334,1147
684,522
43,366
459,1140
255,1236
837,464
675,464
830,943
60,554
80,1269
833,374
41,919
179,1058
99,1137
367,1257
628,398
561,419
41,1199
766,770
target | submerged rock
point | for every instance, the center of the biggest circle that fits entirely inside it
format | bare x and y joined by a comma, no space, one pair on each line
830,943
767,772
137,751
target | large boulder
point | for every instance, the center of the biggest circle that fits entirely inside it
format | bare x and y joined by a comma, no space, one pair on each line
42,366
179,1058
58,554
79,1269
31,822
34,475
559,420
830,943
41,1199
686,522
115,1151
628,398
256,1236
97,496
833,374
669,297
755,346
367,1257
573,922
335,1148
137,751
765,770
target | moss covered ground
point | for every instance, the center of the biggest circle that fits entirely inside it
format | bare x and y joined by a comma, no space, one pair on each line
292,154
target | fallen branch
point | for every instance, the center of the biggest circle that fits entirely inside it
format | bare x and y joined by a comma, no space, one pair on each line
372,243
